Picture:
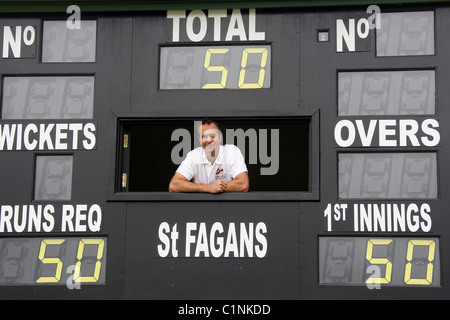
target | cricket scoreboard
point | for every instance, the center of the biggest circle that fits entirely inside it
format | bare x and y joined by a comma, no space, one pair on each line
340,111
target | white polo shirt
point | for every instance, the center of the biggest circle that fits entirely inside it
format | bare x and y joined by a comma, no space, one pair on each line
229,163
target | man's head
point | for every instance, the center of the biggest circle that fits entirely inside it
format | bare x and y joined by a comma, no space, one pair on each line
210,136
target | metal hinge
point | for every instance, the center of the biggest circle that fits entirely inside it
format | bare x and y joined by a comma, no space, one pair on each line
125,141
124,180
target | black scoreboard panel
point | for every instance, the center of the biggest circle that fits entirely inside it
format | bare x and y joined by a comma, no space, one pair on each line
340,114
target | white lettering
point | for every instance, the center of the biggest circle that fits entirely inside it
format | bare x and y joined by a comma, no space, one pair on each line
216,252
384,132
95,211
67,215
41,218
88,131
6,215
30,145
75,127
231,245
252,34
7,134
391,133
11,41
217,15
29,35
190,239
261,230
236,27
80,217
197,23
44,136
366,139
200,15
176,16
347,35
202,241
392,217
363,27
49,221
14,41
433,133
60,136
408,130
359,28
34,218
234,241
338,133
164,249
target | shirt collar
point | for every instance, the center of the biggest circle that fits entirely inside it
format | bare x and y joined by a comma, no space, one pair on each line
219,158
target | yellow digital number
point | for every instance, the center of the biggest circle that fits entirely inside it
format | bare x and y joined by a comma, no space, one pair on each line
430,267
369,256
98,265
222,69
57,261
262,72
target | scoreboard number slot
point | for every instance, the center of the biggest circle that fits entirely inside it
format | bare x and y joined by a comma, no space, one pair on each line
385,261
215,67
45,261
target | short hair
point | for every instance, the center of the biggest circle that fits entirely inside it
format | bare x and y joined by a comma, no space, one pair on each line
208,121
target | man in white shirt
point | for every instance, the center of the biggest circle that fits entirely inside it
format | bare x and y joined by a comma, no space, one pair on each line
211,168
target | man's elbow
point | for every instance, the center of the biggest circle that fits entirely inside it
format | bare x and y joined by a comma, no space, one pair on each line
245,187
172,187
244,183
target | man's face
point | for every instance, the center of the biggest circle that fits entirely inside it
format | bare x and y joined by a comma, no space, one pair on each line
210,138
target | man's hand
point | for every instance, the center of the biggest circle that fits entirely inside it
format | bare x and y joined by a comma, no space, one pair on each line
218,186
180,184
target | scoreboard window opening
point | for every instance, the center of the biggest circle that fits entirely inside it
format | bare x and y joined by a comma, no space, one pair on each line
383,261
388,175
49,97
406,34
53,177
63,44
215,67
276,152
387,93
52,261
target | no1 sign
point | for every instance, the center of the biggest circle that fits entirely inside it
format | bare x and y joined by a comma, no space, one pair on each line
20,42
360,28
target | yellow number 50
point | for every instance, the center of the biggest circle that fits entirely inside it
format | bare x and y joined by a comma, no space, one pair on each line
385,261
409,257
262,71
56,261
209,67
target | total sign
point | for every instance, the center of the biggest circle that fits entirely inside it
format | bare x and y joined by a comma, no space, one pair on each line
216,25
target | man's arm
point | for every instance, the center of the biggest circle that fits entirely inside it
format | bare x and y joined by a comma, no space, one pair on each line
240,183
179,183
